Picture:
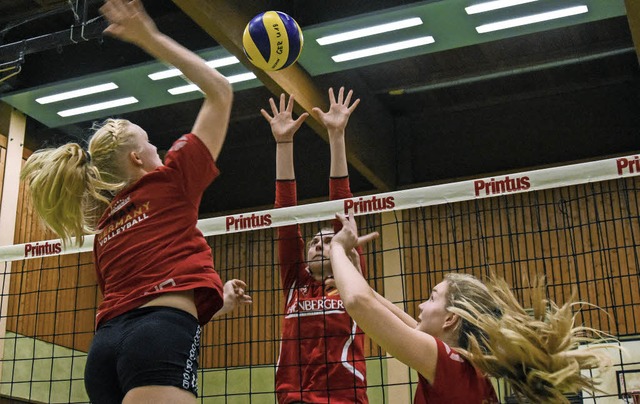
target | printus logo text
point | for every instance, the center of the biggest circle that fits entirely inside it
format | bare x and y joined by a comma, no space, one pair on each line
249,222
501,186
366,205
628,166
37,249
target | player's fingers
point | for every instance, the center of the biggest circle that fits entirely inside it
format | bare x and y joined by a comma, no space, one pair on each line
266,115
367,238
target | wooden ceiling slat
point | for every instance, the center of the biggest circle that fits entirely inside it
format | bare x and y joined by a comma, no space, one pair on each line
633,15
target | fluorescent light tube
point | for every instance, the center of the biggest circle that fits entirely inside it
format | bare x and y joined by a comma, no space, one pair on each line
494,5
165,74
532,19
76,93
377,50
376,29
189,88
241,77
192,87
98,107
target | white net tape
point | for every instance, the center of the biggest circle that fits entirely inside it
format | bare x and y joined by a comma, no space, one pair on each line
526,181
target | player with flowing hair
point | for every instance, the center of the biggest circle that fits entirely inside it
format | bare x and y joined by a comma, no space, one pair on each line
322,349
468,331
154,267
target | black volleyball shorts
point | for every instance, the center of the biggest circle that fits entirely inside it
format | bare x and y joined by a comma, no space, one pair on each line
149,346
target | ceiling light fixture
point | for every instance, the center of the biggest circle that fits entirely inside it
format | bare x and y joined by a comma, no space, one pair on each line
364,32
532,19
165,74
241,77
76,93
98,107
377,50
494,5
189,88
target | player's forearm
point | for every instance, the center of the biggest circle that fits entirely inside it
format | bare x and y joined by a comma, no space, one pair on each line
339,167
401,314
213,84
354,289
284,161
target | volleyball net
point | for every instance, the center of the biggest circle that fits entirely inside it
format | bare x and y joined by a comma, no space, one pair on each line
578,225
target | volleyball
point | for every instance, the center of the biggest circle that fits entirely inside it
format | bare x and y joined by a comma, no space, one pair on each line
272,40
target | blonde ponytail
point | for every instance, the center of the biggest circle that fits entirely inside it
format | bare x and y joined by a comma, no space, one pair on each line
70,188
535,351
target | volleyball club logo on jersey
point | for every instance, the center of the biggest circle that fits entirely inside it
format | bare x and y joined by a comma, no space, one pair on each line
123,216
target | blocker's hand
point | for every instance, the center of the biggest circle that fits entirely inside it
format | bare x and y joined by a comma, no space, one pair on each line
283,126
340,109
348,235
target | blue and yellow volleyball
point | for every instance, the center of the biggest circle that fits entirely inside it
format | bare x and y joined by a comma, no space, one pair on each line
272,40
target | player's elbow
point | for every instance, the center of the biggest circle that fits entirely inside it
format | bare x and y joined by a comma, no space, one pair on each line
225,92
219,91
357,304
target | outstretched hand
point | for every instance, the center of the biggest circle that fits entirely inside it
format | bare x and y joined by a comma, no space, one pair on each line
283,126
348,237
337,117
128,21
234,295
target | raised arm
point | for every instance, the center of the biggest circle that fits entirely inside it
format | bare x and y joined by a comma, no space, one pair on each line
128,21
283,128
335,121
378,320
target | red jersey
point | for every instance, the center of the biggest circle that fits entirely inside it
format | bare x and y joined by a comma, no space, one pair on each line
322,348
148,242
456,381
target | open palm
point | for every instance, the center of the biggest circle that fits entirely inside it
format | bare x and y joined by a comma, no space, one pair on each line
337,117
283,126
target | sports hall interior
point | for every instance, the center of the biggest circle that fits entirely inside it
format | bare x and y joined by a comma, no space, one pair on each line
556,101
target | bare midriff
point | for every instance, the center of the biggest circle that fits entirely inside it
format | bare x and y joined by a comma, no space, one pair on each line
183,300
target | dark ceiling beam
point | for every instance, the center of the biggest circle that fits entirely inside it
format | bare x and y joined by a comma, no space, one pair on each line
225,21
14,52
633,15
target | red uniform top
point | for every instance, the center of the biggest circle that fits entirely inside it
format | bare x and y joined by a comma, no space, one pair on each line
456,381
148,242
322,348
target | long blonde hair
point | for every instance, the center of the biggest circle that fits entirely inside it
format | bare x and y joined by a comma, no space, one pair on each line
70,188
534,351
